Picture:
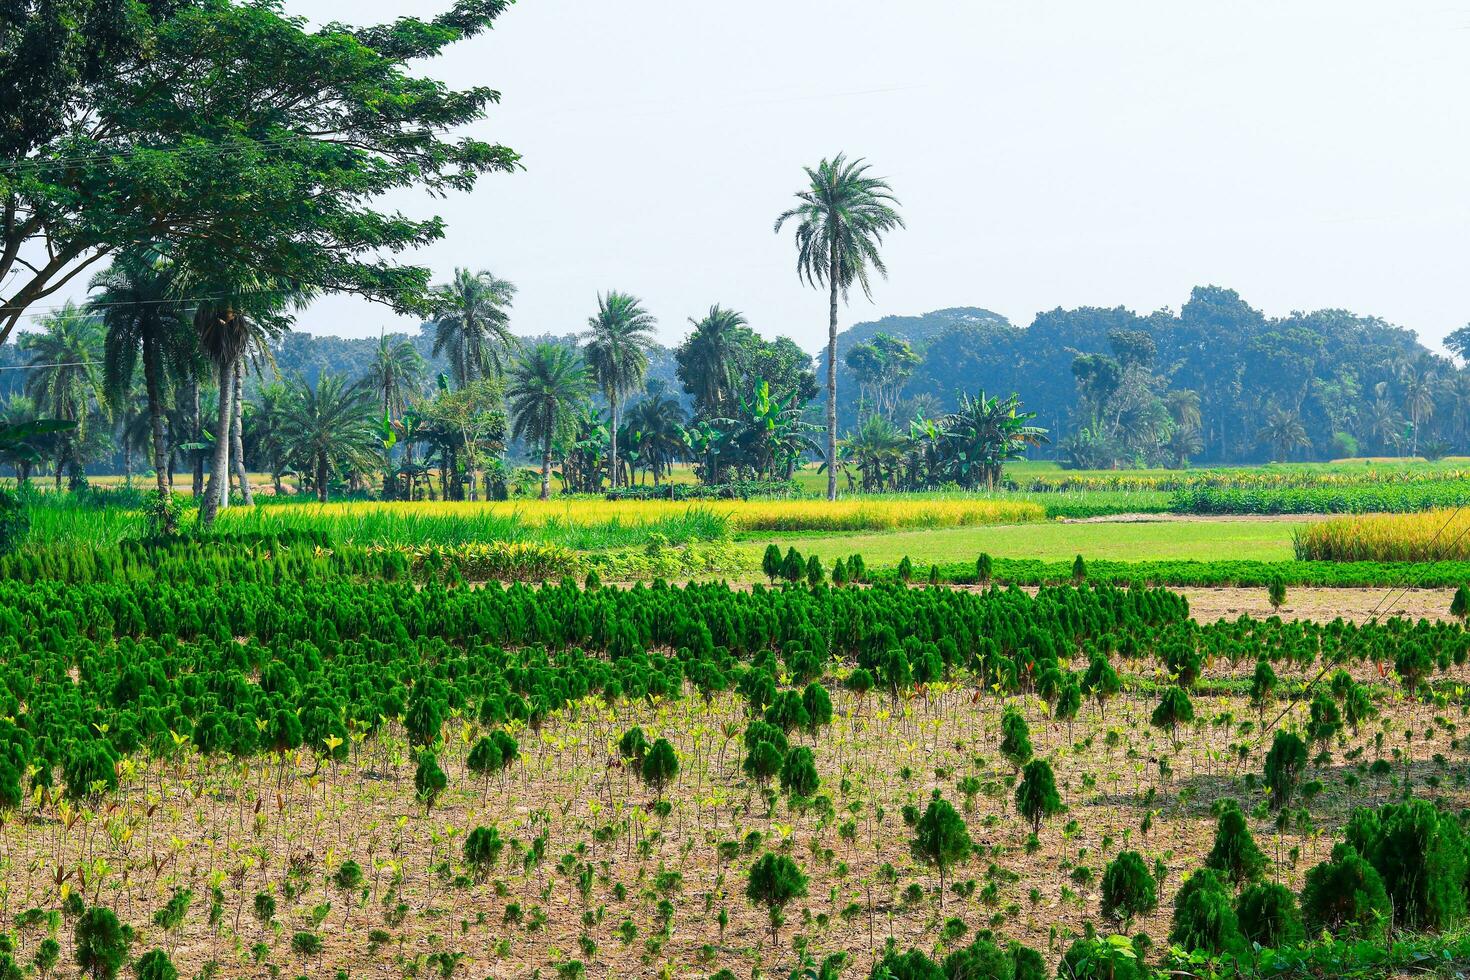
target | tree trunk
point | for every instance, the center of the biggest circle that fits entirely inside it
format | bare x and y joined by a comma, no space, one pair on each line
832,376
321,477
197,436
237,439
217,493
162,464
546,470
127,451
612,456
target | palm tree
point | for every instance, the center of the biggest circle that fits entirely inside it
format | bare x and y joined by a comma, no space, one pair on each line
329,427
841,219
397,372
472,323
1421,385
18,414
65,382
1284,432
619,338
709,360
140,305
658,420
547,387
265,424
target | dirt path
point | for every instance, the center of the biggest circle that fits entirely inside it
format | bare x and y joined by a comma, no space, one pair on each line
1321,605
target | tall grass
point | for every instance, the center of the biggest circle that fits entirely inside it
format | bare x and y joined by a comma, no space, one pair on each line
1431,535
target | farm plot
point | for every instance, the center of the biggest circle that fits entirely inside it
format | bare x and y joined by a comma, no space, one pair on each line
323,775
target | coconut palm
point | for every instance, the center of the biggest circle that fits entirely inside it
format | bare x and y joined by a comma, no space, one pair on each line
1284,432
619,338
329,427
658,421
65,380
841,218
472,324
1421,384
138,299
235,326
18,415
396,373
548,386
709,360
264,422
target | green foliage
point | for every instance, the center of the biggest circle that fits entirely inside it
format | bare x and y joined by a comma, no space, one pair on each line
1235,853
941,838
428,779
1285,762
1276,592
1345,896
1204,918
1268,915
1419,853
15,522
1036,796
1015,740
155,965
1112,958
799,773
1128,888
771,562
773,882
482,849
1174,709
102,943
659,766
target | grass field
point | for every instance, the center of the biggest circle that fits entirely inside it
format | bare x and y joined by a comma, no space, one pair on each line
1202,540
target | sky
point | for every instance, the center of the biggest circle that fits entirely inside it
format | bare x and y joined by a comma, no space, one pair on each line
1045,153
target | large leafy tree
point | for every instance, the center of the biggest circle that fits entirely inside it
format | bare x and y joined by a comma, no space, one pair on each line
619,337
548,386
472,324
328,426
841,217
232,134
148,324
65,380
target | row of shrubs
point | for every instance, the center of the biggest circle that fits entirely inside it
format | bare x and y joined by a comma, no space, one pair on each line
733,490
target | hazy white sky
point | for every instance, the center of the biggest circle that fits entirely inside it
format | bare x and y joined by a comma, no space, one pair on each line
1047,153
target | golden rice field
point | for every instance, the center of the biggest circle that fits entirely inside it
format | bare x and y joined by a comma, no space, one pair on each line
1431,535
586,523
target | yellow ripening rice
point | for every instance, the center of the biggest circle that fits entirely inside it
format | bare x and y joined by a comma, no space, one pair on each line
389,520
1430,535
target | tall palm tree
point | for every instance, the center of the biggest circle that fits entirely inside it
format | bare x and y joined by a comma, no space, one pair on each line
65,380
619,338
139,300
265,424
1421,384
841,218
547,387
328,427
236,325
472,324
709,359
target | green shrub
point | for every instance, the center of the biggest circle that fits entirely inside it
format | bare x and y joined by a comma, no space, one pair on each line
660,766
155,965
1285,763
1113,958
773,882
1420,855
941,839
1268,915
799,772
102,943
1345,896
1036,796
1128,889
1204,918
1235,853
